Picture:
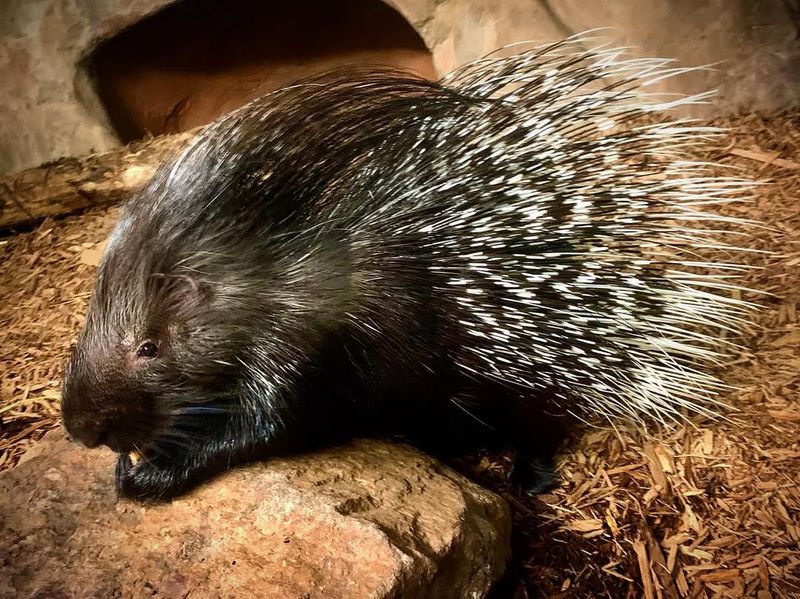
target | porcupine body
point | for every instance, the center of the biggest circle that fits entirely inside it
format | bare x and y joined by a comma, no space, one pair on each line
369,252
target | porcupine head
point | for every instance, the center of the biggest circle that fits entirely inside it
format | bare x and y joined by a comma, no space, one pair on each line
195,324
503,208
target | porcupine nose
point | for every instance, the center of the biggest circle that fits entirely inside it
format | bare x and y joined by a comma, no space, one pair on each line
86,429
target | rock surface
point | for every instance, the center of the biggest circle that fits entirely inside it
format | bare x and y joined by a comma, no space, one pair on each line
49,106
369,519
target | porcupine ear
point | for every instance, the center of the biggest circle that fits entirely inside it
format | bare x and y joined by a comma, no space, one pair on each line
179,298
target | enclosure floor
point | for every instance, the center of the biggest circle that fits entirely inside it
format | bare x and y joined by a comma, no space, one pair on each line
710,509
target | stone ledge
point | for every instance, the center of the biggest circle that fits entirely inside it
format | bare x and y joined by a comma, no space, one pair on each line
369,519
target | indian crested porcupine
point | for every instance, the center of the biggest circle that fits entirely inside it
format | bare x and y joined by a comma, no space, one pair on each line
367,252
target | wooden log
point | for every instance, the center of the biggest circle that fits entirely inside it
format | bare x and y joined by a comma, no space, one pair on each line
69,185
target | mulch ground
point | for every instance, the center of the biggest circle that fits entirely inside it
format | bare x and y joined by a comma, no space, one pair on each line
708,509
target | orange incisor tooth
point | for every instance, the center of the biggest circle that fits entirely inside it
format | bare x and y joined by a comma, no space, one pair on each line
136,457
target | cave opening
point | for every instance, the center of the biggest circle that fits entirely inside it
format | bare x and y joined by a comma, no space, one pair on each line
197,59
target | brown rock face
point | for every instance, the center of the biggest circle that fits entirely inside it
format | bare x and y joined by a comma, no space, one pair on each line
369,519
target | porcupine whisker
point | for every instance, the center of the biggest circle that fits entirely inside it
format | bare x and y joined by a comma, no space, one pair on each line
154,449
201,410
177,439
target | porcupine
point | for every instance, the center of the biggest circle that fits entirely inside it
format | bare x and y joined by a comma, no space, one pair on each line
367,252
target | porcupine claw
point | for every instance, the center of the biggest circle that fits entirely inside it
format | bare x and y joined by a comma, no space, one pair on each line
152,478
134,478
126,462
124,465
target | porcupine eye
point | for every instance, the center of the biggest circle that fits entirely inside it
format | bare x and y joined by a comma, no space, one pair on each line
148,349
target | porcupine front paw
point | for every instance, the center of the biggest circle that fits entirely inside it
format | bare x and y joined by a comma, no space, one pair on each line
147,479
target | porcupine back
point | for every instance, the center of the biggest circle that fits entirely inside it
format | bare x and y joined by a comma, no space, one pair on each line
518,201
571,250
563,232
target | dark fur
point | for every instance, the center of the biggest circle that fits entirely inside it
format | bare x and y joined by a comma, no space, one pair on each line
260,353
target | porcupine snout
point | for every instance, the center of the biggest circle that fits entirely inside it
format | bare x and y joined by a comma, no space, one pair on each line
84,427
102,406
87,422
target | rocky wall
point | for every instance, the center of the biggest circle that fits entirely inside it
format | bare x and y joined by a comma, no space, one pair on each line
49,108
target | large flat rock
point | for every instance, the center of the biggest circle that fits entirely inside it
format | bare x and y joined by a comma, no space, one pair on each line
369,519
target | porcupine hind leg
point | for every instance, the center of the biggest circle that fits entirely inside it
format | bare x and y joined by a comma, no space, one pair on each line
534,463
534,474
491,418
456,427
536,437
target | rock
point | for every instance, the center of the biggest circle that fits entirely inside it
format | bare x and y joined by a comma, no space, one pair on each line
368,519
49,105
